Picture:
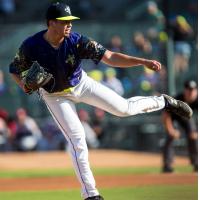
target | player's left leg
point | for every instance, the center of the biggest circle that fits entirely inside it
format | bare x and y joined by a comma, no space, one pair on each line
98,95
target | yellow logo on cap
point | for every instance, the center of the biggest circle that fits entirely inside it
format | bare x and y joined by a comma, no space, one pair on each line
67,9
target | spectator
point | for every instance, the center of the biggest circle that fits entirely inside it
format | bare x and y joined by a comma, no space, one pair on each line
2,83
91,137
116,44
109,79
152,83
148,82
189,127
99,123
12,126
87,9
156,15
7,7
96,74
52,139
112,81
28,133
182,35
153,36
140,45
3,114
4,134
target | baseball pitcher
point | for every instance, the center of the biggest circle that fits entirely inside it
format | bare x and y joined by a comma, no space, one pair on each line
54,57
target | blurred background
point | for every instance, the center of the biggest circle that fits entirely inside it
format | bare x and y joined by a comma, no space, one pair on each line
163,30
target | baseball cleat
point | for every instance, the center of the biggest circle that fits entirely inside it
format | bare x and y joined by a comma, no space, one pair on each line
95,198
177,107
167,169
195,168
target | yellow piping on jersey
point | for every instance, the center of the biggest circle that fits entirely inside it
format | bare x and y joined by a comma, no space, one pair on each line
68,90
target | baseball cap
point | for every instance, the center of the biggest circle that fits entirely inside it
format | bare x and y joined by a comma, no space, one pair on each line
59,11
191,84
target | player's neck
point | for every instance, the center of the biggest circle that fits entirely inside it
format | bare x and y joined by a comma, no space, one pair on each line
53,39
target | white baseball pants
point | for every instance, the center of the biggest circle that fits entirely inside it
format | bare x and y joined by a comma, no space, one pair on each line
62,107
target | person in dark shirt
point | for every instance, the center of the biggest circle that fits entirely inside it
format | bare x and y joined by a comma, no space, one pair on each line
183,35
189,127
60,51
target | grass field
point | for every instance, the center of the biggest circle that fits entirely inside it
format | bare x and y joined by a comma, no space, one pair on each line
161,192
96,171
116,180
173,192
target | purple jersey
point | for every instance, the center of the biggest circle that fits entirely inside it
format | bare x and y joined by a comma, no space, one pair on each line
64,63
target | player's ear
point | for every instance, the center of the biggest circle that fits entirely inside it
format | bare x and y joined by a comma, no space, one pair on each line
52,22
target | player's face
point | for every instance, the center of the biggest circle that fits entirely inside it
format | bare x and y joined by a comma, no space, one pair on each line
62,28
190,95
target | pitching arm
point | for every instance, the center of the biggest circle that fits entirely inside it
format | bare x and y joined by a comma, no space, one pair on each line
118,59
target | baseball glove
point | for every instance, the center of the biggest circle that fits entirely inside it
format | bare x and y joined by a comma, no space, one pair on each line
36,77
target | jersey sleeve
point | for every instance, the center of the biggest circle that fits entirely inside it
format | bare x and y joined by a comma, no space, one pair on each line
22,60
90,49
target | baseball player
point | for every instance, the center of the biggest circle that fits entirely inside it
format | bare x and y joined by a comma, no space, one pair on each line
60,51
176,124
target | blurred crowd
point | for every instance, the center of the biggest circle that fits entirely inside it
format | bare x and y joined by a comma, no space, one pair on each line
92,10
152,44
22,132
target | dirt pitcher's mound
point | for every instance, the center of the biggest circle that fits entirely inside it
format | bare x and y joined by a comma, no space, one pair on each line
98,158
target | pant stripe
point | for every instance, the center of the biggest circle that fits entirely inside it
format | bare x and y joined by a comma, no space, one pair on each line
69,139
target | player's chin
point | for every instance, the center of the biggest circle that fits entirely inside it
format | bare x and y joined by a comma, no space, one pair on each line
67,33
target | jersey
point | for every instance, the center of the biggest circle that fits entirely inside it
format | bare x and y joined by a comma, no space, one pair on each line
63,63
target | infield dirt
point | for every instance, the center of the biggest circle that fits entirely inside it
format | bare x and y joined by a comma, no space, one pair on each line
100,158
